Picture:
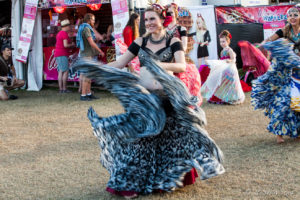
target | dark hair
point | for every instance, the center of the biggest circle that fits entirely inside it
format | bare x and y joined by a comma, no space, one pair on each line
225,34
133,25
5,46
88,17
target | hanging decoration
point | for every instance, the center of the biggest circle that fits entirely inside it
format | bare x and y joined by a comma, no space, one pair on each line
59,9
94,6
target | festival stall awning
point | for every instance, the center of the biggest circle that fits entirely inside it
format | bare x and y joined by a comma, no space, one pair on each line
44,4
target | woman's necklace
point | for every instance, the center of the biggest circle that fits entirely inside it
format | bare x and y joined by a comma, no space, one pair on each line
156,41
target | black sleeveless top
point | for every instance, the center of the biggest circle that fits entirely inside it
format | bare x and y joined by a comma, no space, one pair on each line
165,54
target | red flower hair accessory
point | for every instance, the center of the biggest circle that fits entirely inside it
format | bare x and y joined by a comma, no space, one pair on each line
230,36
161,9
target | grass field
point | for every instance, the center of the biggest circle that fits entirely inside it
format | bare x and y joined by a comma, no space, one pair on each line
48,151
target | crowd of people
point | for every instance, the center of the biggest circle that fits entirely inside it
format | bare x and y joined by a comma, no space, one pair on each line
160,140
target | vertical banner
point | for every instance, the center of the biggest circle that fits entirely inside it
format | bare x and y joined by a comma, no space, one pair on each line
120,19
193,18
27,29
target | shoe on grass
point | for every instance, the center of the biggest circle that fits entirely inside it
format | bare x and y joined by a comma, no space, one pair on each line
85,98
92,96
67,91
12,97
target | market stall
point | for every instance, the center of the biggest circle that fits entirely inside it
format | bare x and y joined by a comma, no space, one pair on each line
54,12
34,32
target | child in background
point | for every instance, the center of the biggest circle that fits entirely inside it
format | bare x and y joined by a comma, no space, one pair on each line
223,83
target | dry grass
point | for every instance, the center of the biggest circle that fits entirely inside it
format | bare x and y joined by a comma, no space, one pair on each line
48,151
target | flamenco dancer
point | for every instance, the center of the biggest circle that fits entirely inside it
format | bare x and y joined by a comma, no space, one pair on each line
223,84
277,91
191,76
160,137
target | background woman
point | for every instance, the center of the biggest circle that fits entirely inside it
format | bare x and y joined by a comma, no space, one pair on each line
130,33
131,30
173,28
191,76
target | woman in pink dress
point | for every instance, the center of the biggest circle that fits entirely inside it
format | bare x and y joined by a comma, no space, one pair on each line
191,76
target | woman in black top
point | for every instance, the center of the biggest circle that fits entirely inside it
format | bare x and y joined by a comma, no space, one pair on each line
174,29
160,137
277,91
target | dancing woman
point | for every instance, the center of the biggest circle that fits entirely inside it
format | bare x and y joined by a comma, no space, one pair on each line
277,91
223,84
174,29
191,76
159,138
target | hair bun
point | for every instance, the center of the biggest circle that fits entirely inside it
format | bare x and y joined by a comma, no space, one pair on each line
225,33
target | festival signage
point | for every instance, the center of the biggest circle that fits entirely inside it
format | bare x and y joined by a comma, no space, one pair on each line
272,17
261,14
120,18
192,18
50,64
27,30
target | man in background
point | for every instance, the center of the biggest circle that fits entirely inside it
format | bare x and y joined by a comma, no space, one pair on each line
85,40
8,79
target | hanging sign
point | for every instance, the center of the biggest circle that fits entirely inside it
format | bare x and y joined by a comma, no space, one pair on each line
120,19
27,30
